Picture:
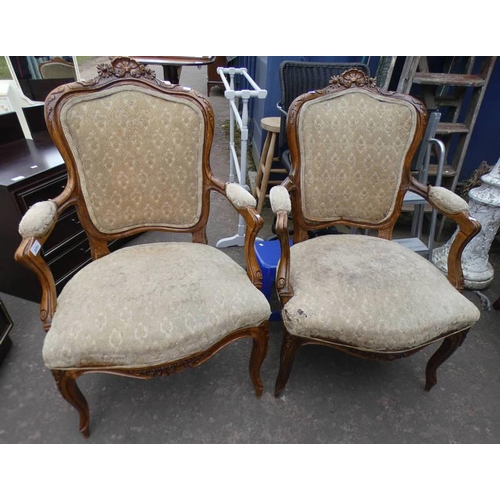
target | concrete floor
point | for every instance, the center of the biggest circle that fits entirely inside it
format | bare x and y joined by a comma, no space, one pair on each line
330,398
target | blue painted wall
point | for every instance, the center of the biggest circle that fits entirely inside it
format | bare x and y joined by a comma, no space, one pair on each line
485,140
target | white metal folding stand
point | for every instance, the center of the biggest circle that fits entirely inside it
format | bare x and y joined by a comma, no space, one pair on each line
238,166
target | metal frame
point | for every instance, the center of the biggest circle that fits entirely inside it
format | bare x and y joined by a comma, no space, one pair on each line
422,163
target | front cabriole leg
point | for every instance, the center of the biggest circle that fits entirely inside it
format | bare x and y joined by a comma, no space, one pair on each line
66,383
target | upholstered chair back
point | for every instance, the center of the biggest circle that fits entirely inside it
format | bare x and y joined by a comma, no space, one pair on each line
353,145
138,154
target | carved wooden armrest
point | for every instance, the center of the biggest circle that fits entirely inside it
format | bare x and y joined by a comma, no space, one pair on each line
245,204
35,227
455,208
282,206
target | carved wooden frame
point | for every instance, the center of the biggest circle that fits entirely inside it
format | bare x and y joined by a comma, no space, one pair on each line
468,228
125,71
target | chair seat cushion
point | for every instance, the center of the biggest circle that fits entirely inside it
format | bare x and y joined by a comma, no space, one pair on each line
151,304
371,294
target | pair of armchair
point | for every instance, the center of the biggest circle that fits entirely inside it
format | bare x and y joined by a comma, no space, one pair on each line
137,152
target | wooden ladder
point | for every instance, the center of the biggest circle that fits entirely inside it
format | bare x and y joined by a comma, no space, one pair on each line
456,91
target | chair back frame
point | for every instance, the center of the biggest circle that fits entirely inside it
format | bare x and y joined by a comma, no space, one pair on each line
338,84
120,72
298,77
46,66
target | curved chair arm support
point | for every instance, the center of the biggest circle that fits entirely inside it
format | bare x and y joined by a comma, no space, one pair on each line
244,203
28,254
455,208
35,228
281,206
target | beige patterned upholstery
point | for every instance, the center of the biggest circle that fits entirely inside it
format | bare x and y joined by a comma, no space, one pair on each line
352,149
151,304
361,291
137,151
139,157
352,145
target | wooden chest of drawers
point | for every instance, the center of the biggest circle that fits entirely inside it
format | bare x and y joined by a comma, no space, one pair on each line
32,170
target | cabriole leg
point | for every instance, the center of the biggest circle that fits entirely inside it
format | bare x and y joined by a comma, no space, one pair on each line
259,352
66,383
447,348
288,350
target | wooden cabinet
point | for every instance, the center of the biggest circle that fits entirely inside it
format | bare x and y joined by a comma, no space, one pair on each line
5,327
32,170
213,78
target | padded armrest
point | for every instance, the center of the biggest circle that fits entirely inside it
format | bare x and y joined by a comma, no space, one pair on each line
38,220
280,199
447,201
239,196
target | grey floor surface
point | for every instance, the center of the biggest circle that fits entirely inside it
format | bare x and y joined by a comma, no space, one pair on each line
330,398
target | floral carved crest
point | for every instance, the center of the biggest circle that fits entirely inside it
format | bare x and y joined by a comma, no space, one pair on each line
352,77
121,67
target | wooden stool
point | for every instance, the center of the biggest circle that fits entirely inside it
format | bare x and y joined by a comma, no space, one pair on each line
272,126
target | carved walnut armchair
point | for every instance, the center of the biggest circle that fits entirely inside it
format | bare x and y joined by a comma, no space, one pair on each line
351,149
137,153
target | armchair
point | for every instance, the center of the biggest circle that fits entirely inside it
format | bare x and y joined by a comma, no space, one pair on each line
57,67
351,146
137,153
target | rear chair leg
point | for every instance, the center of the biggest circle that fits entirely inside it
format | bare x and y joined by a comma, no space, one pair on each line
66,383
447,348
288,350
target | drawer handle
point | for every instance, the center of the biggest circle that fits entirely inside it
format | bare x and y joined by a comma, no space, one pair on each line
75,221
85,250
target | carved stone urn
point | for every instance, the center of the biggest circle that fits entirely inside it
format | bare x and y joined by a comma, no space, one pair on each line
484,206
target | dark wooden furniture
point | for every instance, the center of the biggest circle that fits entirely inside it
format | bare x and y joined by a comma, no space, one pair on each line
157,112
33,170
312,129
10,128
5,327
172,65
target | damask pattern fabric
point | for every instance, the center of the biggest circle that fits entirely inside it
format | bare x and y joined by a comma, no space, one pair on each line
372,294
139,157
150,304
352,148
